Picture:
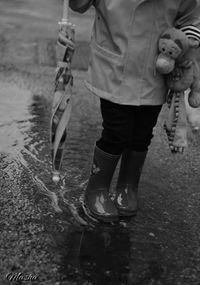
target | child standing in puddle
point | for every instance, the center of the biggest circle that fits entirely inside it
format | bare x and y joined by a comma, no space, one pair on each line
121,72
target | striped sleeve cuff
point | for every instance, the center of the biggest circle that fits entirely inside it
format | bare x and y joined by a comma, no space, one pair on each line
192,32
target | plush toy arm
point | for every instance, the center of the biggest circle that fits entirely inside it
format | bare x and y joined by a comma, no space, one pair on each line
194,95
187,63
193,33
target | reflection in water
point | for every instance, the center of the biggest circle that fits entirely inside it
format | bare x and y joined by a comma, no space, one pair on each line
39,131
39,134
98,256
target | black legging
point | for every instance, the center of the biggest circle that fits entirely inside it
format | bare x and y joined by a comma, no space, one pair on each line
127,126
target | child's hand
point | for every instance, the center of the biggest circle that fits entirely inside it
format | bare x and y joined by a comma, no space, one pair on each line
193,43
80,5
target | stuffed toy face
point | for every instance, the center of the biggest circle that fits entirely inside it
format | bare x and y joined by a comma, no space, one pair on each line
172,45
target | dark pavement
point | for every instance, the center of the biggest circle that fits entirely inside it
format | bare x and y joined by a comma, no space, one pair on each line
40,238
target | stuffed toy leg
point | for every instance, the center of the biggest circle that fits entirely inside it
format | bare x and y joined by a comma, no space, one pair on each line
176,122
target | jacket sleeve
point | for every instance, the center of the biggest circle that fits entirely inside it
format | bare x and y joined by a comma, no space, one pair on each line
188,18
80,6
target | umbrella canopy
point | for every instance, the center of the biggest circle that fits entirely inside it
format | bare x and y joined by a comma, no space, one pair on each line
63,89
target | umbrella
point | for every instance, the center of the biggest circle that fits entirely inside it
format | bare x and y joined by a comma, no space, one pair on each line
63,89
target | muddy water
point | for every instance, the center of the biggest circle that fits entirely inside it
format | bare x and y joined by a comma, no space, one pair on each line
88,252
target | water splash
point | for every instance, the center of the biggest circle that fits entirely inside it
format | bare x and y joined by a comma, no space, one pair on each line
53,197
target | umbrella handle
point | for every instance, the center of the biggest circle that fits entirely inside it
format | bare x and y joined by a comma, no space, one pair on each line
65,12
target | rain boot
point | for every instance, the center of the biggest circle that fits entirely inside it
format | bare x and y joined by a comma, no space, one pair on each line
96,198
128,180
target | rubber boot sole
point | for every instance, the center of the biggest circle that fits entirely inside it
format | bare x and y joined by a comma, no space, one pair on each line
97,217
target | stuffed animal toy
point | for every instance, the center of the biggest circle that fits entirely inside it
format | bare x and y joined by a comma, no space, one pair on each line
176,61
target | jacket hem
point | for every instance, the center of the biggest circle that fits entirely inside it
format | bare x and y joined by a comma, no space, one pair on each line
113,98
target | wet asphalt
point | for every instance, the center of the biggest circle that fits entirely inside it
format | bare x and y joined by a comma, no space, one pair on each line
44,235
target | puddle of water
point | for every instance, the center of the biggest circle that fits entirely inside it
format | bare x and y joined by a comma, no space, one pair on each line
99,255
23,130
16,124
14,118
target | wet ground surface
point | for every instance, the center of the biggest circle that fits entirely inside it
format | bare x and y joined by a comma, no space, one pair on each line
42,233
